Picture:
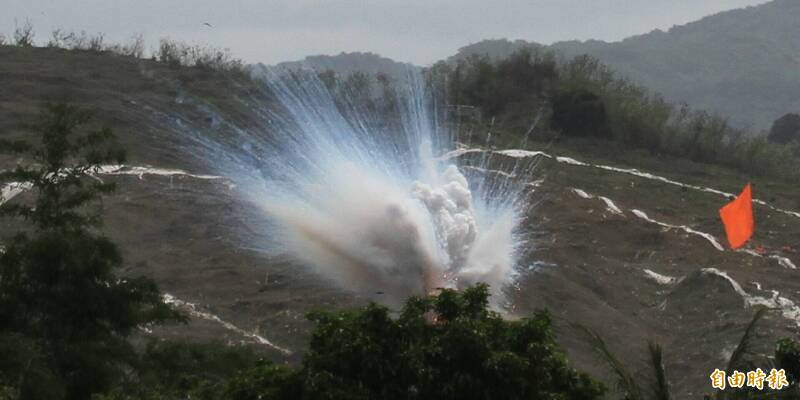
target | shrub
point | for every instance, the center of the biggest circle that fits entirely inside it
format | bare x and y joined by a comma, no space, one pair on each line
179,370
58,39
580,113
178,54
133,48
23,35
787,357
95,43
495,86
445,347
24,369
77,41
170,52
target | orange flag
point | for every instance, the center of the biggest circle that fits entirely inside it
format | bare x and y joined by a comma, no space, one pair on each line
737,216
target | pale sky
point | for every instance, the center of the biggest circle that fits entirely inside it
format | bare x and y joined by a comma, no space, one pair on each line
418,31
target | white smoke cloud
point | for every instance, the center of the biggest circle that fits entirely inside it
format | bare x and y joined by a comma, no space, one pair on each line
373,210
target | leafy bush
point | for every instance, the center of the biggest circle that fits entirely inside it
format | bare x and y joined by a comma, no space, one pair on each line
497,86
25,370
133,48
787,357
174,53
177,370
181,54
80,41
445,347
580,113
266,381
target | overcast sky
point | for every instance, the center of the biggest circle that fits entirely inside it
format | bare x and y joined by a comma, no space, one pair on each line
418,31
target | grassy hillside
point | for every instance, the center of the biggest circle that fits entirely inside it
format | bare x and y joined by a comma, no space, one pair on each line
630,278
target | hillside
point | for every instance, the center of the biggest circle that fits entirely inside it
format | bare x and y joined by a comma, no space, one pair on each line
743,64
626,244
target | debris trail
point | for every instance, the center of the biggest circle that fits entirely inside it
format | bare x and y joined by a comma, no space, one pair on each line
707,236
660,279
194,311
611,206
516,153
141,171
12,189
788,308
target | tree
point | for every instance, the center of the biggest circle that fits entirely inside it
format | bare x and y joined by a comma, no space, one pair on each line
445,347
186,370
57,283
785,129
580,113
787,357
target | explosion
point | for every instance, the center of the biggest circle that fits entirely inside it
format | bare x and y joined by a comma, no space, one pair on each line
363,198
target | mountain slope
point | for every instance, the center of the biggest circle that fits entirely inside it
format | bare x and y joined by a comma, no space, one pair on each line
743,64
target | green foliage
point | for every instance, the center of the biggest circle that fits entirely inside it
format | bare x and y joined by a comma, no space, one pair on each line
445,347
266,381
177,54
95,43
58,289
179,370
585,98
359,94
787,357
24,370
580,113
498,86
